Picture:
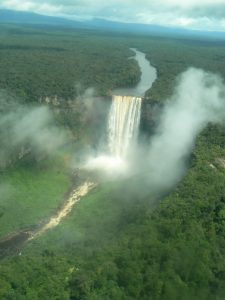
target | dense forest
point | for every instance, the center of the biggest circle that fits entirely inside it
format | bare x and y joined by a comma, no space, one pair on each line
115,244
36,64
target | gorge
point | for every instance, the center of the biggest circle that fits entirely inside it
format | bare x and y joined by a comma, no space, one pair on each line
124,121
122,129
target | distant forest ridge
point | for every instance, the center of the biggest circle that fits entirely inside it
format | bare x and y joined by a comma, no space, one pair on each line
22,17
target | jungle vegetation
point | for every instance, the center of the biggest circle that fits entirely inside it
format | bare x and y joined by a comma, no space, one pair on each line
112,246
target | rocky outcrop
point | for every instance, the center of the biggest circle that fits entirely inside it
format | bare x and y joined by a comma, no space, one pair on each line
150,114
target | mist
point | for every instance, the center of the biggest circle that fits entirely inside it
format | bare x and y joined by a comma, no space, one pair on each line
26,128
161,161
198,99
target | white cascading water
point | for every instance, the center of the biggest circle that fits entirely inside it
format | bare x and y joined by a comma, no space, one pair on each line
123,124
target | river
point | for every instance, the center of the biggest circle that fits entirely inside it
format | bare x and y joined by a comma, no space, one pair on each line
148,76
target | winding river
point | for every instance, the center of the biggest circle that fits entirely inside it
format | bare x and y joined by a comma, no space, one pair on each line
148,76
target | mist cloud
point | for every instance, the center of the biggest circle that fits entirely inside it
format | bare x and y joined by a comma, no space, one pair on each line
25,128
198,100
159,163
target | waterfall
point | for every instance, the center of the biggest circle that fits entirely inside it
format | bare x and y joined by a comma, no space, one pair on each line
123,124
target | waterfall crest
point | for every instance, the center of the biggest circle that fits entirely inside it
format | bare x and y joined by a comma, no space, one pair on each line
123,124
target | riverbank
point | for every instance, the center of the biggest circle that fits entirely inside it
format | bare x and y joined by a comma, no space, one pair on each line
13,243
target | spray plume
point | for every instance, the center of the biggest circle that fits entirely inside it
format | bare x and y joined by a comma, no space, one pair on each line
199,99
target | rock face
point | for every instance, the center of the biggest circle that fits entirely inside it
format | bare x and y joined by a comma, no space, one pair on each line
18,154
150,114
24,151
